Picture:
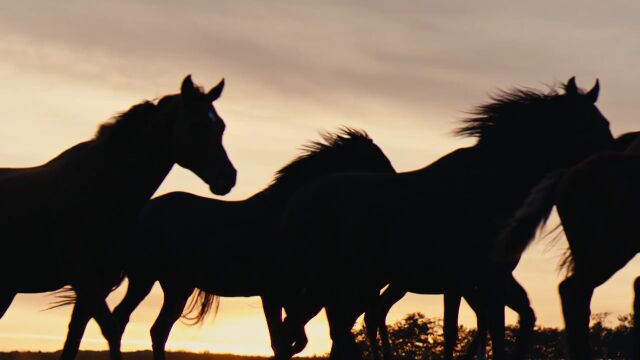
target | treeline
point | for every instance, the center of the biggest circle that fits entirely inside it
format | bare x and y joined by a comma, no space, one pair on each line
419,337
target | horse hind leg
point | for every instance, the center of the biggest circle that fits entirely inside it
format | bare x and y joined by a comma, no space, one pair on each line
341,320
636,319
175,300
80,316
137,289
371,326
5,301
576,300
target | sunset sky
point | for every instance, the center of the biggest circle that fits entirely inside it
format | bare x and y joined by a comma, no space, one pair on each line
405,71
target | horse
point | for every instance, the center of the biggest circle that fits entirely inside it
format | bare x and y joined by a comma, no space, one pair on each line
375,320
68,222
596,203
346,236
227,248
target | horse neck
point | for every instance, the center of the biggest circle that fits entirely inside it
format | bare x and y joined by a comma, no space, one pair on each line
135,171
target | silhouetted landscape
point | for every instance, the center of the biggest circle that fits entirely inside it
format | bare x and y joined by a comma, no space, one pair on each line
419,337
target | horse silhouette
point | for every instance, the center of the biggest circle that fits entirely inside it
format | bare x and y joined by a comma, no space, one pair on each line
228,248
347,236
68,222
376,319
597,204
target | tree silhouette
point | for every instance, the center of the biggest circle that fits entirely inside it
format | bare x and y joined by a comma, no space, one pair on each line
417,337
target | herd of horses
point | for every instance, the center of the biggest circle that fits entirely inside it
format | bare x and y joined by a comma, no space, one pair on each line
338,228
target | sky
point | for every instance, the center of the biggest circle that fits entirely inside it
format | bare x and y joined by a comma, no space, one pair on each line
405,71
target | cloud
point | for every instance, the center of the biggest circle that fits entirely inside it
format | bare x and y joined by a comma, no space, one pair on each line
405,71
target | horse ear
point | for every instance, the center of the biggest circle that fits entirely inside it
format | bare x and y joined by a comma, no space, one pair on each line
187,86
592,95
216,91
571,88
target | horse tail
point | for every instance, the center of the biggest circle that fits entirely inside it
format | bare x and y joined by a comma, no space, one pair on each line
67,295
531,216
201,304
64,297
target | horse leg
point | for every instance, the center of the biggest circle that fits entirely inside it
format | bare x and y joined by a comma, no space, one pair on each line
451,309
5,301
341,319
576,300
299,313
492,293
478,345
636,319
80,316
378,318
517,299
273,314
175,300
371,325
137,289
104,318
90,302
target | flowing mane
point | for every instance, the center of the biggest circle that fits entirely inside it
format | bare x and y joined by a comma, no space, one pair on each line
126,123
510,112
316,153
136,118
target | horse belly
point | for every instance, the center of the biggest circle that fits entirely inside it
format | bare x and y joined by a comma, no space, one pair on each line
231,286
34,277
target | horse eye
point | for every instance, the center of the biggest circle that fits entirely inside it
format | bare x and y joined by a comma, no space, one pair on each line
212,116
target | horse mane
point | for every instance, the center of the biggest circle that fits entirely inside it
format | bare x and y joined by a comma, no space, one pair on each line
131,121
134,120
316,152
507,111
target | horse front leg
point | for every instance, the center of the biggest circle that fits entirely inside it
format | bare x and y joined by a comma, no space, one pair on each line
138,288
105,320
492,294
451,310
89,303
80,316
